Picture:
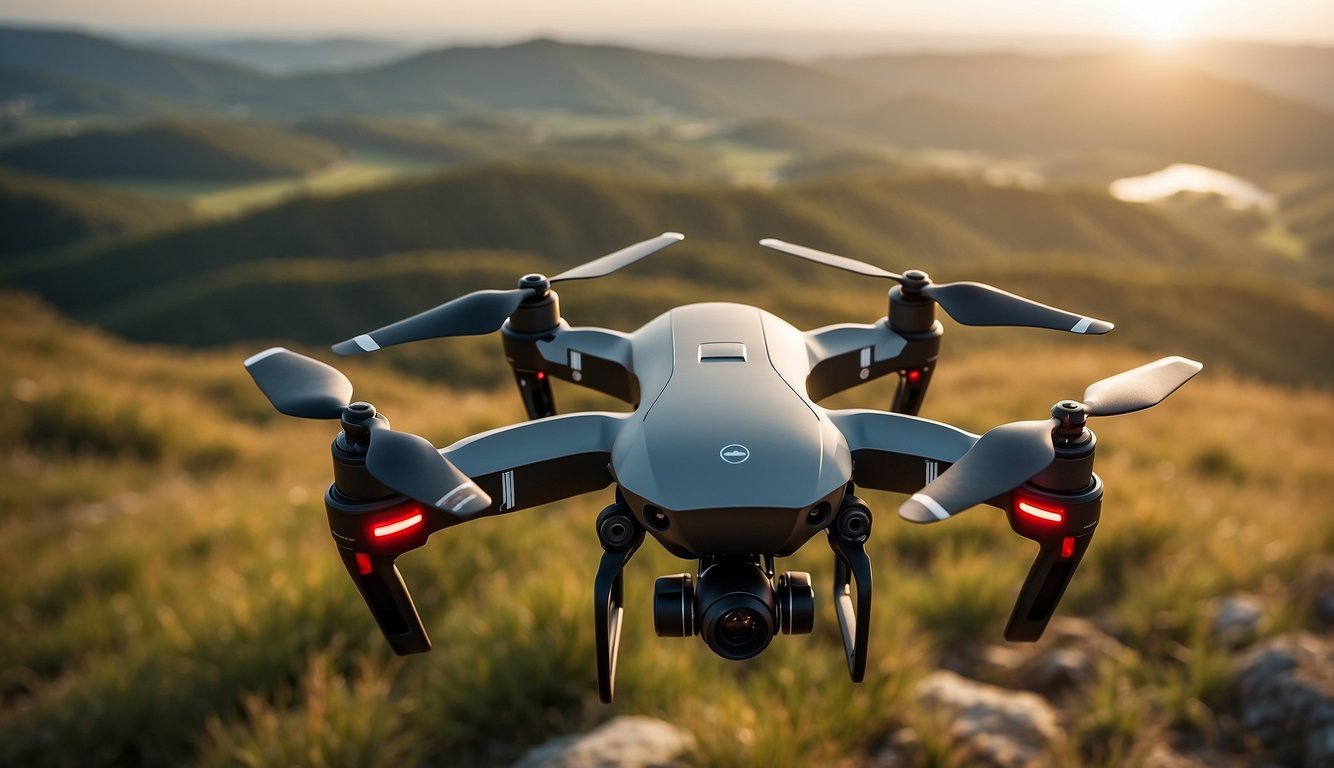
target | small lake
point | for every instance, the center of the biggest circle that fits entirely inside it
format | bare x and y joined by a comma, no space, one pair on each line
1182,177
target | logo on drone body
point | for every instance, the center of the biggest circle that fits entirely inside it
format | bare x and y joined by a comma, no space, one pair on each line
734,453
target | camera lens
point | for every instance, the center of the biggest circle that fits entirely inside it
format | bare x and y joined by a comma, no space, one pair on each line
736,610
739,628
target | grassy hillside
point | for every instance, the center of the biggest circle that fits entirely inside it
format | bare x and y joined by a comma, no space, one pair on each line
156,73
49,93
40,214
175,149
823,165
1156,107
927,221
173,596
590,79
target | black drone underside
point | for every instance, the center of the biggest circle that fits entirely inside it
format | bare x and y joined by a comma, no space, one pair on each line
727,458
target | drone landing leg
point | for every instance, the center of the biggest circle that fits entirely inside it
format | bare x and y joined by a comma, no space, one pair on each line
620,536
847,537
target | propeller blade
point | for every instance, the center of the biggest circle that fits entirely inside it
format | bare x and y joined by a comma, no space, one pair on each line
980,304
620,259
998,462
412,466
298,385
476,313
1139,388
829,259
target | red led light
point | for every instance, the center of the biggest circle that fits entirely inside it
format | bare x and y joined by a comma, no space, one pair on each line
389,529
1051,515
1068,547
364,566
914,376
541,375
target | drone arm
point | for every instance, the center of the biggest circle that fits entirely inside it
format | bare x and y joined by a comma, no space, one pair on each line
895,452
846,355
596,358
539,462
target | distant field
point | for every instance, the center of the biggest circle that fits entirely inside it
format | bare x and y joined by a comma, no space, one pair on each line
365,169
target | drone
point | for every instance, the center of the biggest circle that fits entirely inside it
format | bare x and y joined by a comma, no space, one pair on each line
727,459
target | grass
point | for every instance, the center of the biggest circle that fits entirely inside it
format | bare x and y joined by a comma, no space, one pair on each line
231,198
173,598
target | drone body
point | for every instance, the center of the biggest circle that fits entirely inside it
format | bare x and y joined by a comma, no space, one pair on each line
726,459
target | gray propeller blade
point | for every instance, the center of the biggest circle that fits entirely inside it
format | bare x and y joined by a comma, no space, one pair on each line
1139,388
412,466
968,303
1009,455
1001,459
620,259
829,259
981,304
486,311
476,313
298,385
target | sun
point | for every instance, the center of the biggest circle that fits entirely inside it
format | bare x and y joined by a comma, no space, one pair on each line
1162,20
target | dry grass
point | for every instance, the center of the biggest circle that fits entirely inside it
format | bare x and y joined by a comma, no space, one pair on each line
172,596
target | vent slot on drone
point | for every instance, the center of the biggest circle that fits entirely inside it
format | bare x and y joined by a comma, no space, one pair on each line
722,352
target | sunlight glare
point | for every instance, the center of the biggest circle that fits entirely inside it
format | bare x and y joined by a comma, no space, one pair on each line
1163,20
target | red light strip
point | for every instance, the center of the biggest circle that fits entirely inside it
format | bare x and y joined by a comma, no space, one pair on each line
401,525
1039,512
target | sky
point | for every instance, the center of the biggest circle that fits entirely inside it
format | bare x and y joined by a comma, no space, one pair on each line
1288,21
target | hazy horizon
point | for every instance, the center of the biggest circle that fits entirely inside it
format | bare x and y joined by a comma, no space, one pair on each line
747,28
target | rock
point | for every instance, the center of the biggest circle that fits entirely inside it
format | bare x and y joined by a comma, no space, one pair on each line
1285,693
1236,620
991,726
622,742
1066,658
900,751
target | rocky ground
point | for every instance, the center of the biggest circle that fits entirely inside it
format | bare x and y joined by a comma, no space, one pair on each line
1003,706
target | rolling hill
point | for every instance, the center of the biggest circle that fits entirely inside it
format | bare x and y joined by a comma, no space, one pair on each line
50,93
295,270
934,222
1139,105
174,149
39,214
285,57
156,73
546,74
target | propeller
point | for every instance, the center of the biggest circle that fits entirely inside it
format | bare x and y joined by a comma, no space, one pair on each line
1008,455
485,311
968,303
300,386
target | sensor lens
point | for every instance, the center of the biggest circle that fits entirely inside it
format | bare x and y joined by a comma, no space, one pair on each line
740,629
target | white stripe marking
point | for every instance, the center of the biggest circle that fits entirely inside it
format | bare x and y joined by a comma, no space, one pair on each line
576,360
270,352
507,490
366,343
444,500
461,504
866,357
932,470
931,505
1082,326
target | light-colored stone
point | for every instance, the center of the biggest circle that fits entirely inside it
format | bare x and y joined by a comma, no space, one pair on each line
622,742
1285,694
1066,658
1236,620
991,726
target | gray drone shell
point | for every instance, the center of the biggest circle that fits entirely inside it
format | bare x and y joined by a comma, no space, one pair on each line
727,430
